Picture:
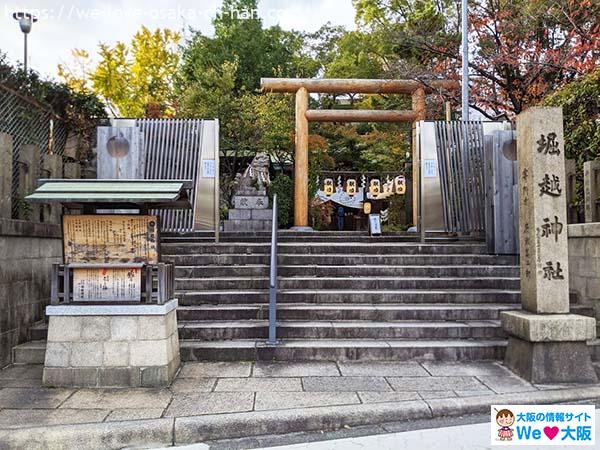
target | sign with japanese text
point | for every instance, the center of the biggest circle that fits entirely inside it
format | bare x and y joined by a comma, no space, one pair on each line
110,239
543,211
560,425
107,284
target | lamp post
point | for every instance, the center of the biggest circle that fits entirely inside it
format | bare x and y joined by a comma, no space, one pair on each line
465,59
26,20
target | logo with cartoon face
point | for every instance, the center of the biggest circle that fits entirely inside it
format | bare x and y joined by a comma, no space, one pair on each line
505,420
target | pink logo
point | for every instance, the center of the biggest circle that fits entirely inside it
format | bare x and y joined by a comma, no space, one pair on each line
551,432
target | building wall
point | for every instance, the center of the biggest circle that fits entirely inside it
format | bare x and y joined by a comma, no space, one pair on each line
27,251
584,264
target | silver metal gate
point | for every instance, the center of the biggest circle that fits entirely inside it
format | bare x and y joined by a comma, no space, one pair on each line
172,150
460,161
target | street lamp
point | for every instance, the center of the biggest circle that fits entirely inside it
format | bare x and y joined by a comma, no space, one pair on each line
26,20
464,5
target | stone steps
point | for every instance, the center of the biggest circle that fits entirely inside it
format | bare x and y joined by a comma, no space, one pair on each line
344,296
352,282
369,312
262,270
345,259
369,248
32,352
344,349
339,329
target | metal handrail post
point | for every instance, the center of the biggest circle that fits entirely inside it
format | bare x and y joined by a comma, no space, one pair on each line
273,278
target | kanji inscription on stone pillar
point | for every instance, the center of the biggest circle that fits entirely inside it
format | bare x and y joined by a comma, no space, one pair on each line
542,210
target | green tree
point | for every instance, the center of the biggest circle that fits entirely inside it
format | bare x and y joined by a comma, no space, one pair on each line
580,101
135,79
240,36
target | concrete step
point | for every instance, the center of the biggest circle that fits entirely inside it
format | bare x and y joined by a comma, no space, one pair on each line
321,236
38,331
354,296
32,352
307,311
262,270
344,349
340,259
372,248
359,329
352,282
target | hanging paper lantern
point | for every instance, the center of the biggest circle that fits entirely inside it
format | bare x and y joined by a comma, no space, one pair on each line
375,188
328,187
400,185
351,187
367,208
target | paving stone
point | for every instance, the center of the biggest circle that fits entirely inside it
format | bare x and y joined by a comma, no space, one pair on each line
428,395
19,372
258,384
134,414
345,384
287,400
17,418
193,384
118,398
451,369
215,369
295,369
436,384
382,369
382,397
507,384
194,404
28,383
32,398
474,393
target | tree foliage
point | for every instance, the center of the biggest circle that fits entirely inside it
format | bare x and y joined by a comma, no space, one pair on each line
80,111
135,79
258,52
521,50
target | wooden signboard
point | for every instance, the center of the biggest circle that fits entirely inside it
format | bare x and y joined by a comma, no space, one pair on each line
110,239
107,284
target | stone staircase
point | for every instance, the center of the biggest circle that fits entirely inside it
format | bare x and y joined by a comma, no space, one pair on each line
342,296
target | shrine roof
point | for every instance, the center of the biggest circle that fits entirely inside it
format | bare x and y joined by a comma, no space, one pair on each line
160,194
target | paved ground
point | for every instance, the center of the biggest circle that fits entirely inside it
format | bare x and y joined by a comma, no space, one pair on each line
216,388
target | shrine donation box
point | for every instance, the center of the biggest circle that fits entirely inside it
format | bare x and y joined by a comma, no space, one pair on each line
112,317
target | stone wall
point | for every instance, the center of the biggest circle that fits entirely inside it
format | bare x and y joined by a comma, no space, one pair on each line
111,346
27,251
584,262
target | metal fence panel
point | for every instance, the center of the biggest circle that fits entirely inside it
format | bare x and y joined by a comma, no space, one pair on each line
173,148
460,160
29,123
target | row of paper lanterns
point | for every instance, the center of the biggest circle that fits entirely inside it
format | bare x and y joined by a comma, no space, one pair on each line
396,186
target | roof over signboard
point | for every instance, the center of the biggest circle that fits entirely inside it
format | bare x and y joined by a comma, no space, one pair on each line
158,194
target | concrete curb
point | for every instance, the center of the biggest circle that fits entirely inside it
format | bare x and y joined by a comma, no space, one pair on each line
188,430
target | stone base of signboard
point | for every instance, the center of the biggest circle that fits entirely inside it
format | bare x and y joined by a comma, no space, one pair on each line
549,348
111,345
550,362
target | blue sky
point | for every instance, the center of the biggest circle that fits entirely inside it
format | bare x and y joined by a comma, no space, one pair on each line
82,24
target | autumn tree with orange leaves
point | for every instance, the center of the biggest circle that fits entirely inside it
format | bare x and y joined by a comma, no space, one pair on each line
520,50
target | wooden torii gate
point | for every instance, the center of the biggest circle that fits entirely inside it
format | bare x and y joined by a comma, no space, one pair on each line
303,86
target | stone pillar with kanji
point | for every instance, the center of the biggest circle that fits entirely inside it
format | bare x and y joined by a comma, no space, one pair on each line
546,343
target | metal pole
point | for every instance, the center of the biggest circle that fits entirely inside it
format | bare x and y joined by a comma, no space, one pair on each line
273,278
465,61
217,184
25,51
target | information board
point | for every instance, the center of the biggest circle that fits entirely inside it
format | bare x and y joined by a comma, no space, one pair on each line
110,239
375,224
107,284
